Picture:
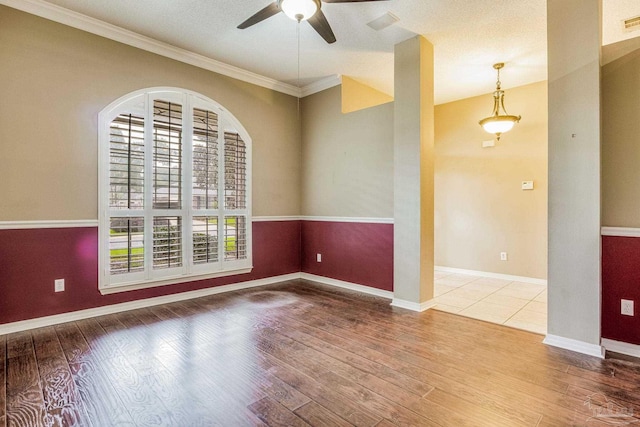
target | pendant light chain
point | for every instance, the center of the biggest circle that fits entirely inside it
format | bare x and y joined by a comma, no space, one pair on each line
499,123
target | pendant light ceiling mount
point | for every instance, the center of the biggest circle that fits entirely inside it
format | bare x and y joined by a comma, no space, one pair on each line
499,123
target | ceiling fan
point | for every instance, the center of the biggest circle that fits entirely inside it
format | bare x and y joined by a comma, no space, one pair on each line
300,10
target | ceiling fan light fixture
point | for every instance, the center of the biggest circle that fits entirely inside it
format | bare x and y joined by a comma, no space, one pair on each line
499,123
299,10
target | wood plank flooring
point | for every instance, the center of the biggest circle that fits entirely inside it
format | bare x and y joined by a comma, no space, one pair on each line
303,354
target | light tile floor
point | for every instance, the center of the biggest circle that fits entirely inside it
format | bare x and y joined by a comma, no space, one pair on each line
516,304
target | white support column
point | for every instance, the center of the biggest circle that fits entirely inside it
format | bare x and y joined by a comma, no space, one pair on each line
413,175
574,40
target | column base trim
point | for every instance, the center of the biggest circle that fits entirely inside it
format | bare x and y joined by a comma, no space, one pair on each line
413,306
575,345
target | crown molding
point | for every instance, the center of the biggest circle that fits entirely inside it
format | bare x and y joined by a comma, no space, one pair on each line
95,26
320,85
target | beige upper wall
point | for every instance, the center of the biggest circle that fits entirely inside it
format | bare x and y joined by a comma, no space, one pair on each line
621,142
347,158
358,96
480,208
57,79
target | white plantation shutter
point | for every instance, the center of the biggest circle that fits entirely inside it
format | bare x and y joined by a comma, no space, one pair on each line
167,155
126,162
235,238
235,172
235,197
167,242
205,159
126,194
205,239
127,245
174,186
205,187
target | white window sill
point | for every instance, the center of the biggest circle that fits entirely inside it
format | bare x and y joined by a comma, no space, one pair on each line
134,286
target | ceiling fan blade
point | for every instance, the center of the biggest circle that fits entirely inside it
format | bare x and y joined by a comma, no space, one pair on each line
321,25
348,1
265,13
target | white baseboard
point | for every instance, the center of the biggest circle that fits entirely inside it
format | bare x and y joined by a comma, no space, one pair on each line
621,347
413,306
347,285
575,345
56,319
523,279
24,325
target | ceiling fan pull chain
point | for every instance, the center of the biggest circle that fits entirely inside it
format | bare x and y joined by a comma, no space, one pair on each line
298,77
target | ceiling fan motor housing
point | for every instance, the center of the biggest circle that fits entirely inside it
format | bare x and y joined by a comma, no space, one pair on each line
299,10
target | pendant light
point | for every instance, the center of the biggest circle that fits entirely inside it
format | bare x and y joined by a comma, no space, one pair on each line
499,123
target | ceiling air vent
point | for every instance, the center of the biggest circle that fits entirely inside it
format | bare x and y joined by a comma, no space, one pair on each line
386,20
631,24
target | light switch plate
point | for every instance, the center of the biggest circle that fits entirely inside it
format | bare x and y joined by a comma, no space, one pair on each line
488,143
527,185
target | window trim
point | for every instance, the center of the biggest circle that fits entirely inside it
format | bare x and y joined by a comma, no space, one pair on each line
140,102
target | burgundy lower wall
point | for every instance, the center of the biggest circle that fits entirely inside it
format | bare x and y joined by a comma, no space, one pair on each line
30,260
620,280
360,253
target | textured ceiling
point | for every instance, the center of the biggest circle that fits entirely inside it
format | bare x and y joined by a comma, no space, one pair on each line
614,12
468,37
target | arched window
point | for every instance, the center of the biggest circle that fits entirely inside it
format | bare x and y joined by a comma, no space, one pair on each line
175,187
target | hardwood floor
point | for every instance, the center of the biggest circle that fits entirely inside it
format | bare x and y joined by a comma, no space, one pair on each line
299,354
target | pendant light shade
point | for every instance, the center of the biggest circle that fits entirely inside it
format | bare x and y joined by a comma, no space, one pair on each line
499,123
299,10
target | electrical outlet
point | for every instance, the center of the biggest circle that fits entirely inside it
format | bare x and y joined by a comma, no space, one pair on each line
318,257
59,285
626,307
504,256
